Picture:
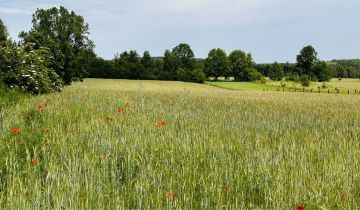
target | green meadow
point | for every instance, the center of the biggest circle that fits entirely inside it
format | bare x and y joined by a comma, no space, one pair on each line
123,144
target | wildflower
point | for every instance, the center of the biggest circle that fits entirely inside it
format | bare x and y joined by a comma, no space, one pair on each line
169,193
300,207
120,111
161,123
46,130
41,108
34,161
174,198
16,131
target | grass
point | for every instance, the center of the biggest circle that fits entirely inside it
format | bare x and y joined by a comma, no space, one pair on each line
218,149
343,86
243,86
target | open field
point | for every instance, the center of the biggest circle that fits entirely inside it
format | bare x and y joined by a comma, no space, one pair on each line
121,144
343,85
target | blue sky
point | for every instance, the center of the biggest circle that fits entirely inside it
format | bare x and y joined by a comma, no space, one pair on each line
271,30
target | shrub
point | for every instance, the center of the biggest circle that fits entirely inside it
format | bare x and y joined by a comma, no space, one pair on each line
26,69
324,85
304,81
254,75
263,80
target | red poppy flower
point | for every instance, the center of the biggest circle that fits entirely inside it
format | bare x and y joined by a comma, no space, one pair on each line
300,207
169,193
120,111
46,130
174,198
34,161
15,131
21,143
41,108
45,104
161,123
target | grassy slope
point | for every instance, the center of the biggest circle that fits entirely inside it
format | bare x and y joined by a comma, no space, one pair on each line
220,149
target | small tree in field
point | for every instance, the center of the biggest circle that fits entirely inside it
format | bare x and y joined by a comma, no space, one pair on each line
306,59
276,72
216,64
240,63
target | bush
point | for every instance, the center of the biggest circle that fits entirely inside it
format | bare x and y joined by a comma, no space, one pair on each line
263,80
305,81
293,78
254,75
26,69
324,85
197,75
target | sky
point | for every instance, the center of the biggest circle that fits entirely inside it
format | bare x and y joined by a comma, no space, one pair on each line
271,30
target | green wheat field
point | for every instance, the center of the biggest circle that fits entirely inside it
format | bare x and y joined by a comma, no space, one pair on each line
120,144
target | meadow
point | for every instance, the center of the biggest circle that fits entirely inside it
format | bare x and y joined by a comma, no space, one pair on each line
122,144
344,86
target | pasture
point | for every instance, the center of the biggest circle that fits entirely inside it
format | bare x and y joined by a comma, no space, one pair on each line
122,144
343,85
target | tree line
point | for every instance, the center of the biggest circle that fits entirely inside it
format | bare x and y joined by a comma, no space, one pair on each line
57,51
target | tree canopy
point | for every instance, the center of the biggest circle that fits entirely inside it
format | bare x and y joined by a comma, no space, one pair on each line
306,59
216,64
67,36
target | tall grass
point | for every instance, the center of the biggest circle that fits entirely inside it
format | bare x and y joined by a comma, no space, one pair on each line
231,150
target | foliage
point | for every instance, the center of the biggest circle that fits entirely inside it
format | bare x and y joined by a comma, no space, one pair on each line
240,63
183,56
26,69
253,74
216,64
3,32
304,81
276,72
306,58
67,36
323,71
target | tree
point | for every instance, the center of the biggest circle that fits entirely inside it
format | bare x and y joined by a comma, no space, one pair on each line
323,71
67,36
306,59
240,63
216,64
276,72
183,56
3,32
169,62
